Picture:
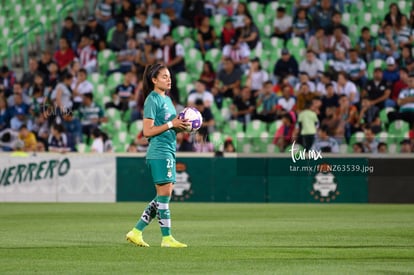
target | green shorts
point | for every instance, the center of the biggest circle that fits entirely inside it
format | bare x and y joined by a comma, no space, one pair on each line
162,170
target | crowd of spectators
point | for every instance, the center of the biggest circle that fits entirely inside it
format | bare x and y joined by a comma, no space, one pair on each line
321,99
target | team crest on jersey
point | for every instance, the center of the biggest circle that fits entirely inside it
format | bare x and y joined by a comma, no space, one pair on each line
182,187
325,189
167,114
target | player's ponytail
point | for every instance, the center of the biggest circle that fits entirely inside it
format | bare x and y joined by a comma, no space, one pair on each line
150,72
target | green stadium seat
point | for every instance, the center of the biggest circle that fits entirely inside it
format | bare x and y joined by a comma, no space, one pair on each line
114,80
83,148
356,137
113,114
217,139
96,78
375,64
255,127
104,58
136,127
214,56
181,32
188,43
297,48
383,115
348,19
398,130
271,148
232,127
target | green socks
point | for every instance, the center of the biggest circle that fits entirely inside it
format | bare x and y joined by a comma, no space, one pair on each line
164,215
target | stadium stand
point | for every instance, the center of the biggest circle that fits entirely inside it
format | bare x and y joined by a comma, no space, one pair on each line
31,29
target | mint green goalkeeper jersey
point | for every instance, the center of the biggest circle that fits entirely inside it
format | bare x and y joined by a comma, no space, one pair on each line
160,109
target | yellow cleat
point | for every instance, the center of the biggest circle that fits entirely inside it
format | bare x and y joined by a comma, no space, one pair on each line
169,241
135,236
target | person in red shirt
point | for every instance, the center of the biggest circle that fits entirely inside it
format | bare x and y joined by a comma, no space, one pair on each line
228,33
400,84
65,55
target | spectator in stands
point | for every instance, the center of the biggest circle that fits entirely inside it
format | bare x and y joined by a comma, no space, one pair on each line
358,148
124,94
201,144
304,94
406,146
326,78
405,103
173,55
382,148
257,76
43,63
208,118
87,54
104,13
319,44
266,103
126,57
73,129
96,32
406,60
411,19
283,136
71,32
7,79
286,66
127,10
62,95
370,142
306,126
228,146
157,30
228,80
249,33
345,118
238,52
393,17
4,114
401,84
356,69
201,93
65,55
80,87
192,11
391,72
340,40
28,138
301,25
208,75
90,115
377,90
312,66
325,143
175,21
323,15
282,24
41,124
53,76
151,6
286,103
243,106
307,5
147,54
20,117
348,88
206,36
183,142
369,116
367,46
97,141
23,98
28,77
405,33
57,141
119,37
238,17
336,22
329,101
228,33
388,43
137,26
304,79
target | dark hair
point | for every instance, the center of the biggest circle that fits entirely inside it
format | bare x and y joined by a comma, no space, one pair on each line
58,127
96,132
23,127
288,117
382,144
67,76
364,29
209,65
69,18
156,16
360,145
88,95
267,82
151,71
83,70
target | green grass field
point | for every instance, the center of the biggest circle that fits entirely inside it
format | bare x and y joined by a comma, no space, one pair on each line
222,239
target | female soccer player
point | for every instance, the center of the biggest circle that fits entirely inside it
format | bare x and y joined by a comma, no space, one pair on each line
160,126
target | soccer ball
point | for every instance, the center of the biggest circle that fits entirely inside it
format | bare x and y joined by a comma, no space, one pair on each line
193,116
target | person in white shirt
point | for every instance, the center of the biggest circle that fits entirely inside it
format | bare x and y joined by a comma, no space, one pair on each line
157,30
287,102
257,76
338,63
326,78
356,68
97,143
173,54
87,54
238,52
80,87
200,92
348,88
312,66
282,24
304,78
